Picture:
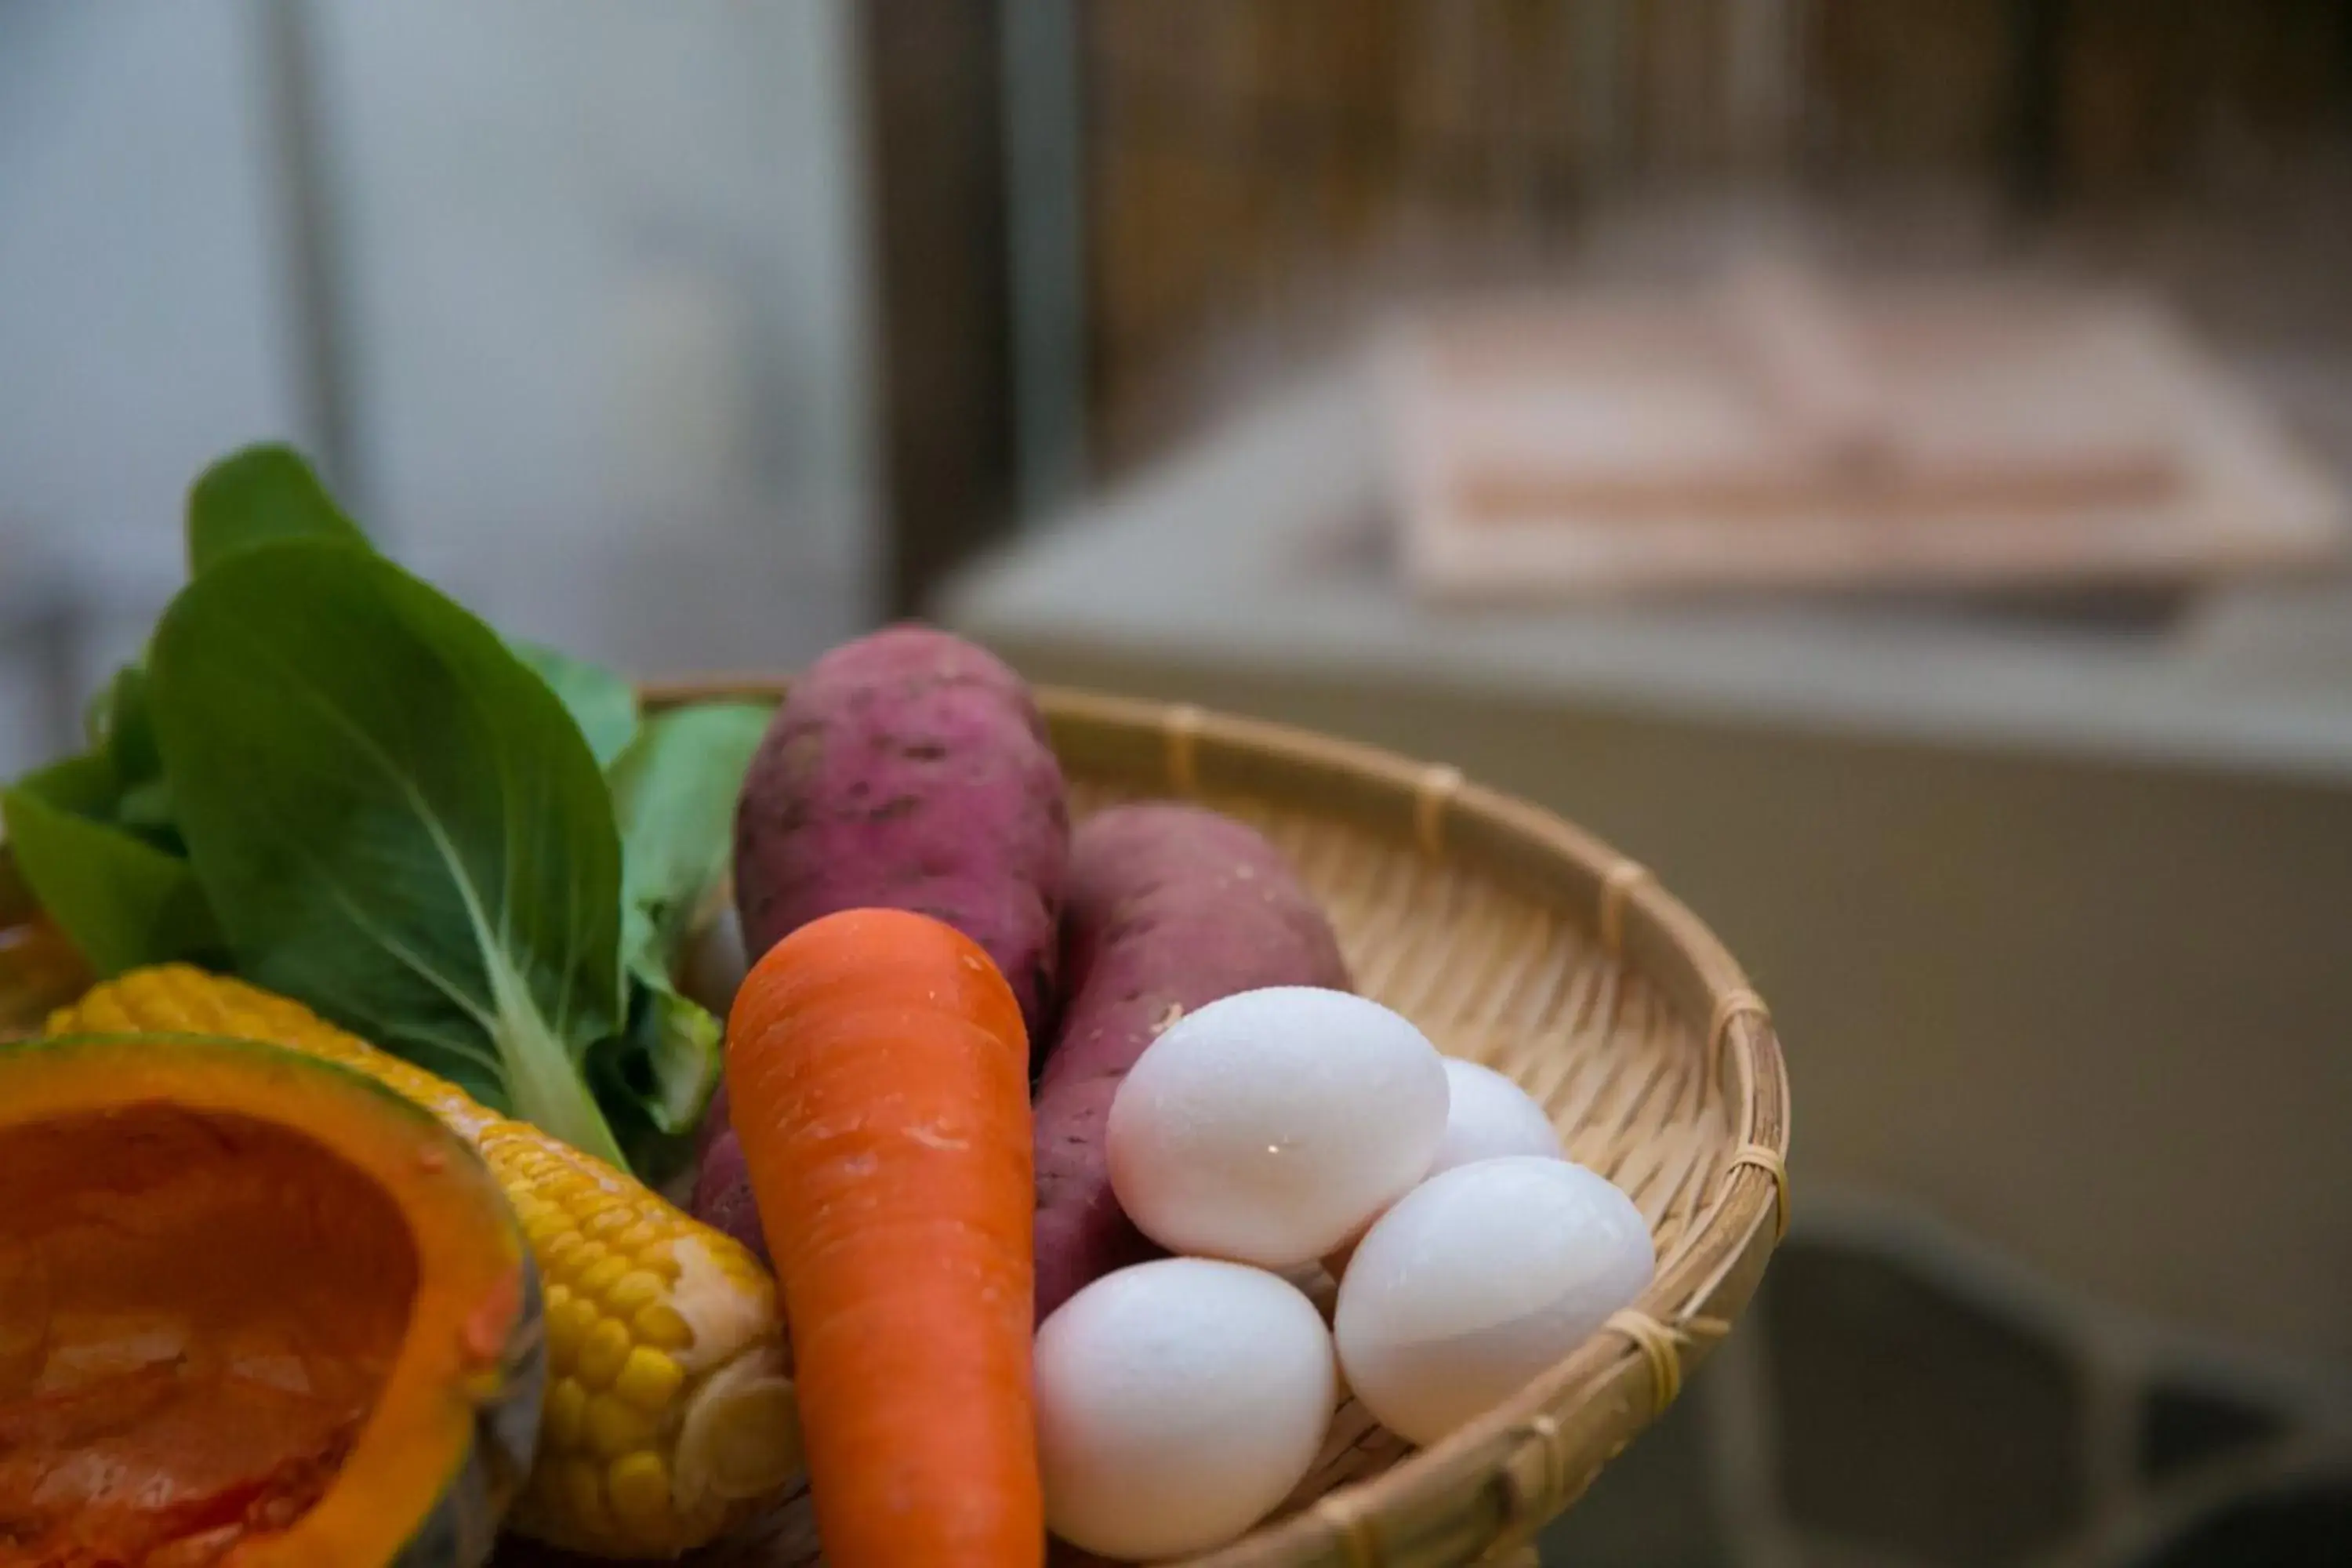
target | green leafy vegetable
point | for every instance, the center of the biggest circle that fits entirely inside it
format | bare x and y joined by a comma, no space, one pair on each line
603,705
332,776
258,496
674,791
143,802
678,1044
396,821
125,731
92,837
122,901
268,493
656,1079
95,837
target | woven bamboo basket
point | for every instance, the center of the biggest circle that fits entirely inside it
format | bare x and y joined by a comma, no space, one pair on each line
1513,939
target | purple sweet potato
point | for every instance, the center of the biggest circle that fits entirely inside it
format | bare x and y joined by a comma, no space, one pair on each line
1171,907
907,770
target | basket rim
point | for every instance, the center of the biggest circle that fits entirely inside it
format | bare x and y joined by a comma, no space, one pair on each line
1485,1489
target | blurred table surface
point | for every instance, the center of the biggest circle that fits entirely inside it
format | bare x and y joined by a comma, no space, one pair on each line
1262,545
2048,900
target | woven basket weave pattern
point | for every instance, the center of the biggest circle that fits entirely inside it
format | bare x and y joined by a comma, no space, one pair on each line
1515,941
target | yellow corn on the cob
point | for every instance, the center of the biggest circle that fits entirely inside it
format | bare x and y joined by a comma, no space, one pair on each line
668,1414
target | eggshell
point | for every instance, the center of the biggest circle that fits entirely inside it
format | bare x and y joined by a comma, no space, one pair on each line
1488,1116
1269,1126
1479,1279
1178,1402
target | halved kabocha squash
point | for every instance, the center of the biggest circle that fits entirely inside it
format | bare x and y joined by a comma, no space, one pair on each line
669,1419
256,1312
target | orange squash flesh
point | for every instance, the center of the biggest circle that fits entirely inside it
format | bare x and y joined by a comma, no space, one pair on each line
249,1308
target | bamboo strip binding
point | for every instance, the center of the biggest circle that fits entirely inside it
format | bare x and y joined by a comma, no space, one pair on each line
1515,940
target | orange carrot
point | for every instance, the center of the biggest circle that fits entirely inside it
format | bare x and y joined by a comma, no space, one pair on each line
880,1078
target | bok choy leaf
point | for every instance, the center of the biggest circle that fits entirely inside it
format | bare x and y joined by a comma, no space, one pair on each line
396,821
674,791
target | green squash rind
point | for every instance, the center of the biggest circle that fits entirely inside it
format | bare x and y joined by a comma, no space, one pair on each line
463,1526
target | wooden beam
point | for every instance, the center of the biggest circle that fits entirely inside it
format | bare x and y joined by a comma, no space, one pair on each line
933,82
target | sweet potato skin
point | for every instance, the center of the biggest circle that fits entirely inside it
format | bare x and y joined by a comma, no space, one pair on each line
1169,908
911,770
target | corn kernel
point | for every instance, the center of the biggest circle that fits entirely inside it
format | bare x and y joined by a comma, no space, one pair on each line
567,1402
614,1428
588,1254
606,1348
603,1275
661,1258
661,1327
567,1333
636,1237
604,1223
632,1292
648,1379
584,1496
580,1195
562,1186
640,1485
559,1253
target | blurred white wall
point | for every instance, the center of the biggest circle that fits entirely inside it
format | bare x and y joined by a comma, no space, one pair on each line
140,255
606,323
593,277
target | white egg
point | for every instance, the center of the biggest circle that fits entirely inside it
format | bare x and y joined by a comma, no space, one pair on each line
1178,1402
1268,1126
1488,1116
1479,1279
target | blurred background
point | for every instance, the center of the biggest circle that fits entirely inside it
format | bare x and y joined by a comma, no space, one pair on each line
1882,466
